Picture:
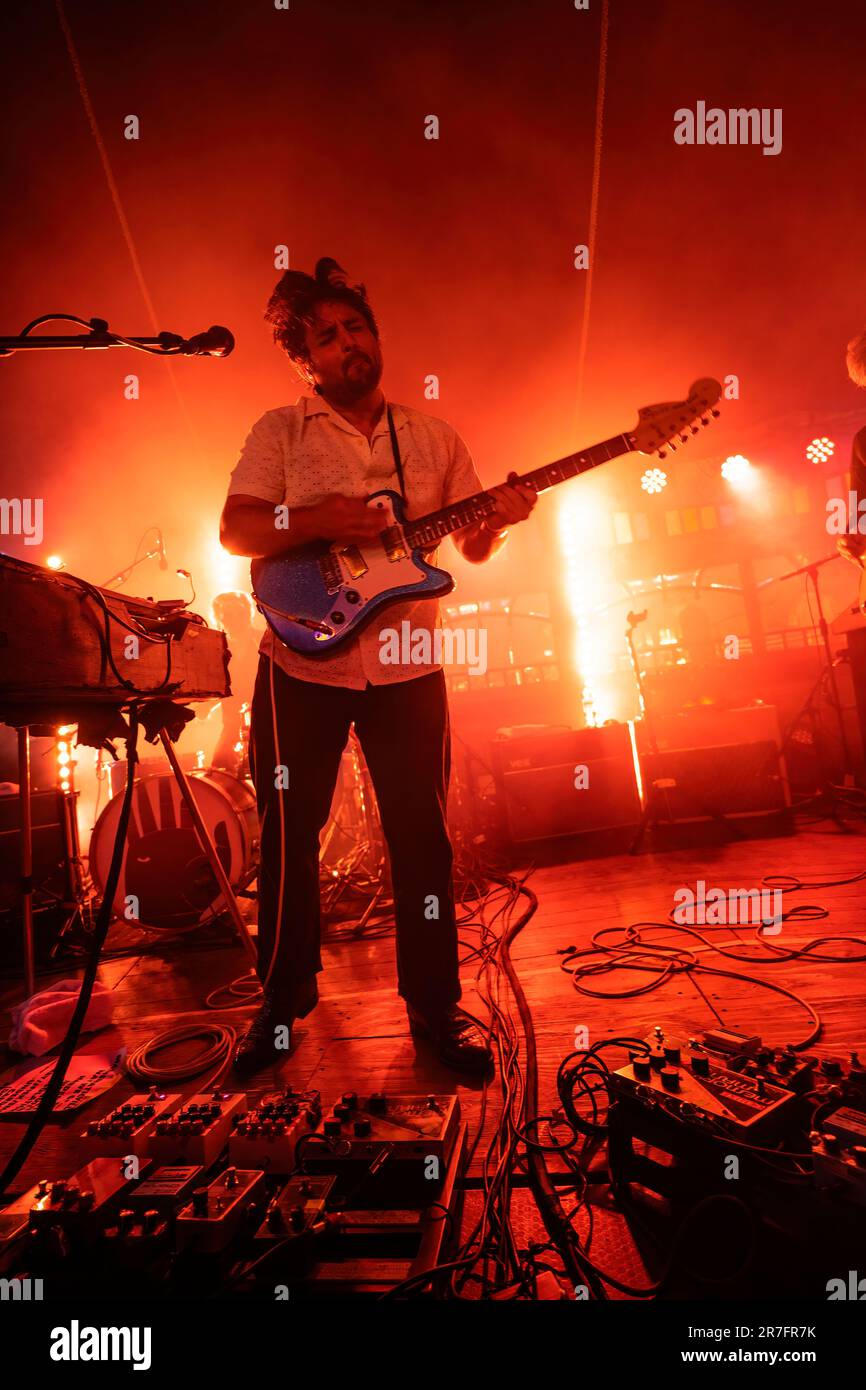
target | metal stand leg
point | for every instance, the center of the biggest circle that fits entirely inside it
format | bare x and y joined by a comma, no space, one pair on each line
208,846
26,857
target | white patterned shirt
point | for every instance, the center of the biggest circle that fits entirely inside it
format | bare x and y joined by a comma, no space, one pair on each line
297,454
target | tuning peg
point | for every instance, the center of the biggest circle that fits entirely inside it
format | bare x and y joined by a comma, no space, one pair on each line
715,413
695,429
672,447
684,439
704,420
662,454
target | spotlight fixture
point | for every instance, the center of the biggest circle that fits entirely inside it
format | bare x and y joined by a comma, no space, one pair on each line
736,470
820,450
654,480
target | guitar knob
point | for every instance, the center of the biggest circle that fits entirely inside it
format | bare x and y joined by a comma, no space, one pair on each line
352,596
337,618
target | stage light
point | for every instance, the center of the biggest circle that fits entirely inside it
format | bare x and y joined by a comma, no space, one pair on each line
587,564
820,450
55,562
654,480
63,750
737,470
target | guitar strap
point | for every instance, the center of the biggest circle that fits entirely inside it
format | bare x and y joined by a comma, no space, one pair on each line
395,449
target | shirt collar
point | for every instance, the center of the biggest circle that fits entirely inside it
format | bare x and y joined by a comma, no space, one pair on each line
317,405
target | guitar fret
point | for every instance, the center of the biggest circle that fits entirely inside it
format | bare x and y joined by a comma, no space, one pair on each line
433,527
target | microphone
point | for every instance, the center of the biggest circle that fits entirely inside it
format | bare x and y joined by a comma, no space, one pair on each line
160,545
216,342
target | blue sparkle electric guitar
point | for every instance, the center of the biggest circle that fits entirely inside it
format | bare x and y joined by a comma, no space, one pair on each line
319,596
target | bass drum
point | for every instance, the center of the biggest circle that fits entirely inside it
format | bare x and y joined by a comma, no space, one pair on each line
165,878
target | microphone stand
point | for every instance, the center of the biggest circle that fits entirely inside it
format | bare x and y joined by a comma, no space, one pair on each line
122,575
829,672
99,336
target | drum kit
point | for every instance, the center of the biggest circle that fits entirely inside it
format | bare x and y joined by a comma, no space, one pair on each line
166,882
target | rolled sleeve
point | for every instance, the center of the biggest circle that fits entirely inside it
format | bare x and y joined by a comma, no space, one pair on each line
461,478
261,469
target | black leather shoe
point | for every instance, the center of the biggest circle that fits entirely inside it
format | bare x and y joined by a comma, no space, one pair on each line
457,1038
257,1048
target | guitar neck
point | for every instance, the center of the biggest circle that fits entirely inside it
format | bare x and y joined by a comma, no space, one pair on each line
427,530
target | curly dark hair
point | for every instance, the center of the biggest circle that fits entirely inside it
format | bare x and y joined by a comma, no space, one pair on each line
291,307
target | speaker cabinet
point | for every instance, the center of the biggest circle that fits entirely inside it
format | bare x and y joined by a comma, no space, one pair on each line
554,782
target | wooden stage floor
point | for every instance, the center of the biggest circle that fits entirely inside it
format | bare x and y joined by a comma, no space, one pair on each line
357,1038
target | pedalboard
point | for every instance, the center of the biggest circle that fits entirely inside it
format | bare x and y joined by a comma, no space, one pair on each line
128,1127
199,1131
83,1205
166,1189
839,1154
394,1144
266,1136
217,1212
300,1204
689,1081
136,1239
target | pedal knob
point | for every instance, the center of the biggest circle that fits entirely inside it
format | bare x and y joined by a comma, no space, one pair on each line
350,1100
858,1153
296,1218
378,1103
700,1063
332,1127
670,1078
362,1128
199,1201
640,1066
150,1221
672,1053
831,1066
657,1059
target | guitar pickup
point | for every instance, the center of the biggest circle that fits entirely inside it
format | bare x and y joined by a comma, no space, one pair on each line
354,561
393,542
329,568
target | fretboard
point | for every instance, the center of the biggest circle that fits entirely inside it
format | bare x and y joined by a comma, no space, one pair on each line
427,530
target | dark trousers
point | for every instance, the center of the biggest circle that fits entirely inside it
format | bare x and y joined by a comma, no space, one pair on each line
403,730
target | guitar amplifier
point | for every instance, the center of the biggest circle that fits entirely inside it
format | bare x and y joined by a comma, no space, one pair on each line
732,779
556,782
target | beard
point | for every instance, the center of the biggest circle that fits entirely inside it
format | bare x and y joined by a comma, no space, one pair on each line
359,376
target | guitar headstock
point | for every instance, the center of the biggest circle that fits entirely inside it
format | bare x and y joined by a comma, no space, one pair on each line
659,425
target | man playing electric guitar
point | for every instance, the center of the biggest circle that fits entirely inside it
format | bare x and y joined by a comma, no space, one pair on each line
320,458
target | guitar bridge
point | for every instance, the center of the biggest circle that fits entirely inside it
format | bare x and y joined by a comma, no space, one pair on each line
329,569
